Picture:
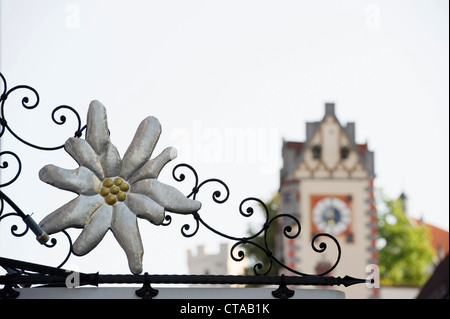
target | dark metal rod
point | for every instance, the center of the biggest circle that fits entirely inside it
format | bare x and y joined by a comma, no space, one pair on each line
52,275
95,279
229,279
13,205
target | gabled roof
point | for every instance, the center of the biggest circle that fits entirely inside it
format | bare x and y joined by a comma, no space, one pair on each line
298,148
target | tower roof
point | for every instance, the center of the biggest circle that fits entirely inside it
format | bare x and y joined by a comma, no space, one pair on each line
294,152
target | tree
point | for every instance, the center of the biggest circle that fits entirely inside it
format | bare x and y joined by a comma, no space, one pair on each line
405,252
255,254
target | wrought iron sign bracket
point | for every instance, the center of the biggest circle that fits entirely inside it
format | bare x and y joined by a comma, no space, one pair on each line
120,194
24,274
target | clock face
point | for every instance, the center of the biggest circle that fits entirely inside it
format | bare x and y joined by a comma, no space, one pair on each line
331,215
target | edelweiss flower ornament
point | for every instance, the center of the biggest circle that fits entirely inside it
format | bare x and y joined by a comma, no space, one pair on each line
113,192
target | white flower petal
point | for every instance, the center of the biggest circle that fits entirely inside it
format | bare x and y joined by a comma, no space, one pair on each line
141,147
125,228
81,180
111,161
97,133
75,213
167,196
94,231
152,168
145,208
84,155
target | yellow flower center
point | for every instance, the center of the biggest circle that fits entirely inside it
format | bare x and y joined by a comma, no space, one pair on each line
114,190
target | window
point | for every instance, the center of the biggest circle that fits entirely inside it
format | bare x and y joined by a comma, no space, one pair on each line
287,198
345,150
317,150
350,238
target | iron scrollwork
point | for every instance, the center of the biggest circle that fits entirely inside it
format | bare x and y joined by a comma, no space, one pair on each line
5,164
218,196
291,230
239,255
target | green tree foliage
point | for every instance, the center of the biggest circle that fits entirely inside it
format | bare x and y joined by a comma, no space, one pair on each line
405,255
255,254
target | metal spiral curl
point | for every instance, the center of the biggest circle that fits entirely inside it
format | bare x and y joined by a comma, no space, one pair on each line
5,165
59,117
257,268
246,209
217,197
14,227
323,247
54,242
25,103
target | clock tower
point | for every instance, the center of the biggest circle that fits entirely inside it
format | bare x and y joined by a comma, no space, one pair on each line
327,183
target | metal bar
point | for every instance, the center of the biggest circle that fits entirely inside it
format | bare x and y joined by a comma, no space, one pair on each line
95,279
23,265
229,279
52,275
41,235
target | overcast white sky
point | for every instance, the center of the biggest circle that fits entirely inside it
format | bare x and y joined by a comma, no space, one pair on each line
219,72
